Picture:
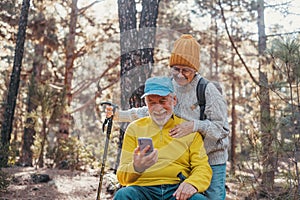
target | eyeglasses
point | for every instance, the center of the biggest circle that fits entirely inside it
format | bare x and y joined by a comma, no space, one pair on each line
184,71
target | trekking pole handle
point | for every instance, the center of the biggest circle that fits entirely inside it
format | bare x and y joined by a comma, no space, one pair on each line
110,104
108,121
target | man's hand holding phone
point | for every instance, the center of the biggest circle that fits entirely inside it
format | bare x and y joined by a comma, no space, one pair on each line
144,155
145,145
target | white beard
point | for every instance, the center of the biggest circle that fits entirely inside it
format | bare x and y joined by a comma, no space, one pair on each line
161,117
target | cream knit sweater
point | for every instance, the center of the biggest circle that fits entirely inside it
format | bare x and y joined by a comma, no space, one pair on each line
215,129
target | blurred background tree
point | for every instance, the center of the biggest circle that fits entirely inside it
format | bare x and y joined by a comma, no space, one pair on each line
79,53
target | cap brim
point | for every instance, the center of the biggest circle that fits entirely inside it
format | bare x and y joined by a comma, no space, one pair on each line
156,92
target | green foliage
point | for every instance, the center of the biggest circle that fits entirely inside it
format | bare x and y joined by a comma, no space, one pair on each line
48,102
14,152
36,148
34,122
48,99
286,56
72,154
3,154
286,50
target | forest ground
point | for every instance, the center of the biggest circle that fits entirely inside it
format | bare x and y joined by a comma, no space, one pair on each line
72,185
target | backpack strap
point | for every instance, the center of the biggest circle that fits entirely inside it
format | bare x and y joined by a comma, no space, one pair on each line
201,86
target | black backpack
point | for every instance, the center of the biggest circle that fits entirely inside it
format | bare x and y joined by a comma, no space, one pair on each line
201,86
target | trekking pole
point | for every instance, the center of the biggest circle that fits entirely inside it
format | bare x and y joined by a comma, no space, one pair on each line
121,136
109,122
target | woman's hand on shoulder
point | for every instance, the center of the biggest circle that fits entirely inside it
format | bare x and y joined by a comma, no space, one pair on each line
182,129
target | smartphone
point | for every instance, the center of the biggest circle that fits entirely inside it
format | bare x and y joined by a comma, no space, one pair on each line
143,142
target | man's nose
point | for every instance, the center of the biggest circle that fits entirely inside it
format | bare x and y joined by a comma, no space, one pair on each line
158,107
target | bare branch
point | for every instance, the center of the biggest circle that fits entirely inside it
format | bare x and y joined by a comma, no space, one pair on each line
113,64
93,100
82,10
281,34
234,46
279,4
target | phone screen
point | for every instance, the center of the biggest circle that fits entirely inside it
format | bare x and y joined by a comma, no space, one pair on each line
143,142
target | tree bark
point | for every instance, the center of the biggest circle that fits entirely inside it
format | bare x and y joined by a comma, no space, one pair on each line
66,118
267,137
136,53
43,142
234,120
29,132
14,85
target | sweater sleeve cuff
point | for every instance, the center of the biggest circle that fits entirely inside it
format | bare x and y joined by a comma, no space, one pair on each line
196,125
125,115
132,114
200,126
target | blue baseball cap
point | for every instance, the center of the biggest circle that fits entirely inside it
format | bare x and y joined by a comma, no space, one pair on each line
161,86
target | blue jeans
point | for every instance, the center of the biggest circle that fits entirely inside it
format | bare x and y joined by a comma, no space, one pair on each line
158,192
216,190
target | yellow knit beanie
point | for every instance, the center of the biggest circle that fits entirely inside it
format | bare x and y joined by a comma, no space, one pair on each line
186,52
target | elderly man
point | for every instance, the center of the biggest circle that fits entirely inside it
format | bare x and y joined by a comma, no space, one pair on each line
177,168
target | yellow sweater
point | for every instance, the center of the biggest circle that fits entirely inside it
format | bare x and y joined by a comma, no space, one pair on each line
175,155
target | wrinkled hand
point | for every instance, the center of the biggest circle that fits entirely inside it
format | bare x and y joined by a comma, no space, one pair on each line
184,191
141,162
182,129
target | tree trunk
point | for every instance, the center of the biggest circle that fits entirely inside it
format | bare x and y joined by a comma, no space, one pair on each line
233,103
234,121
14,85
267,137
29,132
43,142
66,118
216,48
129,49
136,53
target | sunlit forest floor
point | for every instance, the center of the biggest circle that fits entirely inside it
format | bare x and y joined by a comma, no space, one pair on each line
73,185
